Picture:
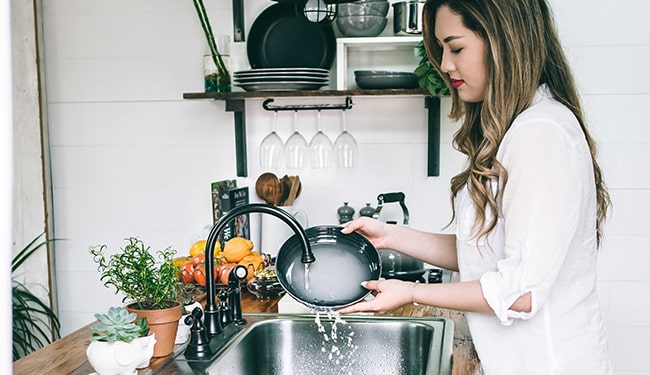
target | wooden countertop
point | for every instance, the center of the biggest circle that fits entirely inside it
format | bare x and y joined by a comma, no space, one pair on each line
68,354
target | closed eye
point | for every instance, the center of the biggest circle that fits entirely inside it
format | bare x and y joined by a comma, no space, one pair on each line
456,51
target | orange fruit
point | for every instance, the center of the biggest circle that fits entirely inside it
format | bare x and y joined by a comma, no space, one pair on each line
236,249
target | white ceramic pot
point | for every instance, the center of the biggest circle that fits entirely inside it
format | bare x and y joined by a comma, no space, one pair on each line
147,344
119,358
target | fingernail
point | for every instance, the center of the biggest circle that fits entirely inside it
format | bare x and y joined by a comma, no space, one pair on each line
363,283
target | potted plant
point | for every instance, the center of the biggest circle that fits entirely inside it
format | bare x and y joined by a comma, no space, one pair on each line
35,324
148,284
120,344
219,79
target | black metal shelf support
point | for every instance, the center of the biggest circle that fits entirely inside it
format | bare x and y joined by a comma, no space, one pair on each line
238,107
432,104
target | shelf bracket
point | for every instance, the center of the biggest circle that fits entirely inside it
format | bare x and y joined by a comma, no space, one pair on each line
432,103
306,107
238,107
238,20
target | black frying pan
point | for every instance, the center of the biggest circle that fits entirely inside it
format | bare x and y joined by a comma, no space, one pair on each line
342,262
280,38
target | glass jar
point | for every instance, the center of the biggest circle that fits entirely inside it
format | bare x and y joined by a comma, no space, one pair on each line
213,79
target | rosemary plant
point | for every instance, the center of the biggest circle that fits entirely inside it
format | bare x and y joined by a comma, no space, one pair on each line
135,272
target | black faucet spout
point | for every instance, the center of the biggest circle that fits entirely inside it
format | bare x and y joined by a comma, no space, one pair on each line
211,311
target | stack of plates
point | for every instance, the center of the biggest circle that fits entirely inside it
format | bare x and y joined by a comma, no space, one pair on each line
281,79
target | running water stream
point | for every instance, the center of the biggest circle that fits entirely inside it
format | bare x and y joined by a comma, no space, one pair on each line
307,287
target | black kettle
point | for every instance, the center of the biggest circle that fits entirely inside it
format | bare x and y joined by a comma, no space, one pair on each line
394,264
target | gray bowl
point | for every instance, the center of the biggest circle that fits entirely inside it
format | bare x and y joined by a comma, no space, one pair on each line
361,25
371,8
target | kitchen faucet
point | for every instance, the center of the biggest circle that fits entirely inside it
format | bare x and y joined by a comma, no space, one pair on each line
222,317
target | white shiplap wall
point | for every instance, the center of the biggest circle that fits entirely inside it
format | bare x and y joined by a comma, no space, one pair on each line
130,157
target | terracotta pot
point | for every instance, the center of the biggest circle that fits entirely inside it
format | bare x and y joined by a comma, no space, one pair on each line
163,323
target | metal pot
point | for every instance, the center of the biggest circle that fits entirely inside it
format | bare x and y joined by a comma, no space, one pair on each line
334,279
407,17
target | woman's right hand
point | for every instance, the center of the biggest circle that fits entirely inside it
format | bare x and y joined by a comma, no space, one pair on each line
377,232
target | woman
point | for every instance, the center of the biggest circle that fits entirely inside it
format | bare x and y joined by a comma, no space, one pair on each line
529,206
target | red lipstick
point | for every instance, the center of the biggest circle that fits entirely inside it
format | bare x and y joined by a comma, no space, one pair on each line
456,83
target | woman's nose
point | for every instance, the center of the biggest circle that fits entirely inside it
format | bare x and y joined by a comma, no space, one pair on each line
445,64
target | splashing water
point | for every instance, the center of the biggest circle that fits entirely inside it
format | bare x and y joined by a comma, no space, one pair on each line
339,345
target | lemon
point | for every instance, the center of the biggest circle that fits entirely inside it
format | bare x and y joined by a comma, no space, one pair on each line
198,247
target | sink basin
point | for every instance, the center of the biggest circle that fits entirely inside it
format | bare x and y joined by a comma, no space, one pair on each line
290,344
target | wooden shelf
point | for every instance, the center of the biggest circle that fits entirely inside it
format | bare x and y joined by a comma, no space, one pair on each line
236,103
308,93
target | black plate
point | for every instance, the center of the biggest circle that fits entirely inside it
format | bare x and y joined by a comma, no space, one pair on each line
279,38
343,261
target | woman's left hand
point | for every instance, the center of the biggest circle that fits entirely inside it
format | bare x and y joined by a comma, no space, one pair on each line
388,296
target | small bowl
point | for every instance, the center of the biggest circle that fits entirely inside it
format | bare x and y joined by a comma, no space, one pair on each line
265,285
370,8
361,25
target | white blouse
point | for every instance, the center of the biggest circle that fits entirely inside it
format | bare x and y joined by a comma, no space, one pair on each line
544,243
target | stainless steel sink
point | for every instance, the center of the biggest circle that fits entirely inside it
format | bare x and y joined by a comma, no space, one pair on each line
291,344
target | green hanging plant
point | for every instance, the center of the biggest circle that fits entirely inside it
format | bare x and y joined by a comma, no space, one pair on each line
34,323
428,76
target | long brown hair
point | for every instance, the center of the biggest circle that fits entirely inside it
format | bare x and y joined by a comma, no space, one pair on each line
523,51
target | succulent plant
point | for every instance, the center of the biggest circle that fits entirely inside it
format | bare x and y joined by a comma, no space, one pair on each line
118,325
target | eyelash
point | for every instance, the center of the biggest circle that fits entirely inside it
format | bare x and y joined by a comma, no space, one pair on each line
456,51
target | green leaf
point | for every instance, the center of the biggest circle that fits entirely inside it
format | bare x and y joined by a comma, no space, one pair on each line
35,324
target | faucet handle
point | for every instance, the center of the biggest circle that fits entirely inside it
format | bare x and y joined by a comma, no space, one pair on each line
199,345
237,275
224,312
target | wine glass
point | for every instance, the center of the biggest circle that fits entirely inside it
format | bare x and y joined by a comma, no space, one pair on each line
345,146
295,146
272,148
320,148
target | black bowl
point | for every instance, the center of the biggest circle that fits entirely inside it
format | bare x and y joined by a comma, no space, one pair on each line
343,261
